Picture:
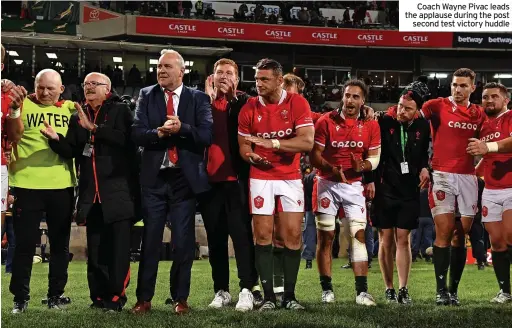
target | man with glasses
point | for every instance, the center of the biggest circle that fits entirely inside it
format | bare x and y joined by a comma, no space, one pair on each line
99,139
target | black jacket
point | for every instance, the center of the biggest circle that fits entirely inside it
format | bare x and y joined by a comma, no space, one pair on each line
389,180
115,163
240,166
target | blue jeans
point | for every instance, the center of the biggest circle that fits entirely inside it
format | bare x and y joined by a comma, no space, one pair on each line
309,237
422,237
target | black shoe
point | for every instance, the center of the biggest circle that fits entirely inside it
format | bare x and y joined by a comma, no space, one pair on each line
403,296
113,307
98,304
428,259
391,295
443,297
414,259
257,298
481,265
169,301
369,265
309,264
64,300
454,299
347,266
19,307
55,303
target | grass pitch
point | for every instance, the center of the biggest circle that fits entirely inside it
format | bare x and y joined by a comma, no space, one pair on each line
475,291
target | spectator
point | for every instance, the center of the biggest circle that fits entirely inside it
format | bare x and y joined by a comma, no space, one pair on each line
134,77
332,22
346,18
243,10
210,12
304,16
118,77
199,8
187,8
272,19
259,13
236,15
24,12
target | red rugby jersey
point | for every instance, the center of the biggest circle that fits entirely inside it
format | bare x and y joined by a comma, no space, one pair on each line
275,121
342,136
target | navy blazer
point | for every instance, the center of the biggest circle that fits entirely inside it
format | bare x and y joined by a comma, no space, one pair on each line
191,141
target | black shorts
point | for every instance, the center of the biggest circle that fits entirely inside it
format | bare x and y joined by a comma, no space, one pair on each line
396,213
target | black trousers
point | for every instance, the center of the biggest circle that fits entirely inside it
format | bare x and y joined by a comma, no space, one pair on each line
28,212
108,258
171,198
225,213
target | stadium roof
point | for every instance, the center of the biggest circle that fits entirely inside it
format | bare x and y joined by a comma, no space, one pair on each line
63,41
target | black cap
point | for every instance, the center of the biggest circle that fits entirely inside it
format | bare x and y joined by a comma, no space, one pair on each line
418,92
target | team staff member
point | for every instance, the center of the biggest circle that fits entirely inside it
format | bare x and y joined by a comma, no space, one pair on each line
174,125
225,208
345,147
453,121
494,145
12,126
98,138
43,182
274,128
403,171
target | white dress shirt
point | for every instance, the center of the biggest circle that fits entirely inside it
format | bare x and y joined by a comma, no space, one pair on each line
166,163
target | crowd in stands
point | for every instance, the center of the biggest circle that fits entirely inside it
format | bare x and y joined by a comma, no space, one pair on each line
310,14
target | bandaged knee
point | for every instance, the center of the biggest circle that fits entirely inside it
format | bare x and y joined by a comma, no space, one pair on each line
358,252
325,222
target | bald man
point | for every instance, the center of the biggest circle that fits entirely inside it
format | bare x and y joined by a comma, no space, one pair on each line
42,182
98,140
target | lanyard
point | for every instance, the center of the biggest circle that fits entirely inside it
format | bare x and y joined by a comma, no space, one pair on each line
403,139
91,136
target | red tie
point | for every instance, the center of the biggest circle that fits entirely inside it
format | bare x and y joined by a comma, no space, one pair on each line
171,152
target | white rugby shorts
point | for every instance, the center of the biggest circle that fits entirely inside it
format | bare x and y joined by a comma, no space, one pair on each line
263,195
330,196
449,189
494,203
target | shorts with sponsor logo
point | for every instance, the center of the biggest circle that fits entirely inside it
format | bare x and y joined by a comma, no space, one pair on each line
5,187
449,190
331,196
263,195
494,203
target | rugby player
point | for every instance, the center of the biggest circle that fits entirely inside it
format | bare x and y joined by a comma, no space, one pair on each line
12,101
274,128
345,147
495,147
453,121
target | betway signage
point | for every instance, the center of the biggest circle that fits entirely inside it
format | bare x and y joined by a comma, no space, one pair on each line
482,40
206,29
